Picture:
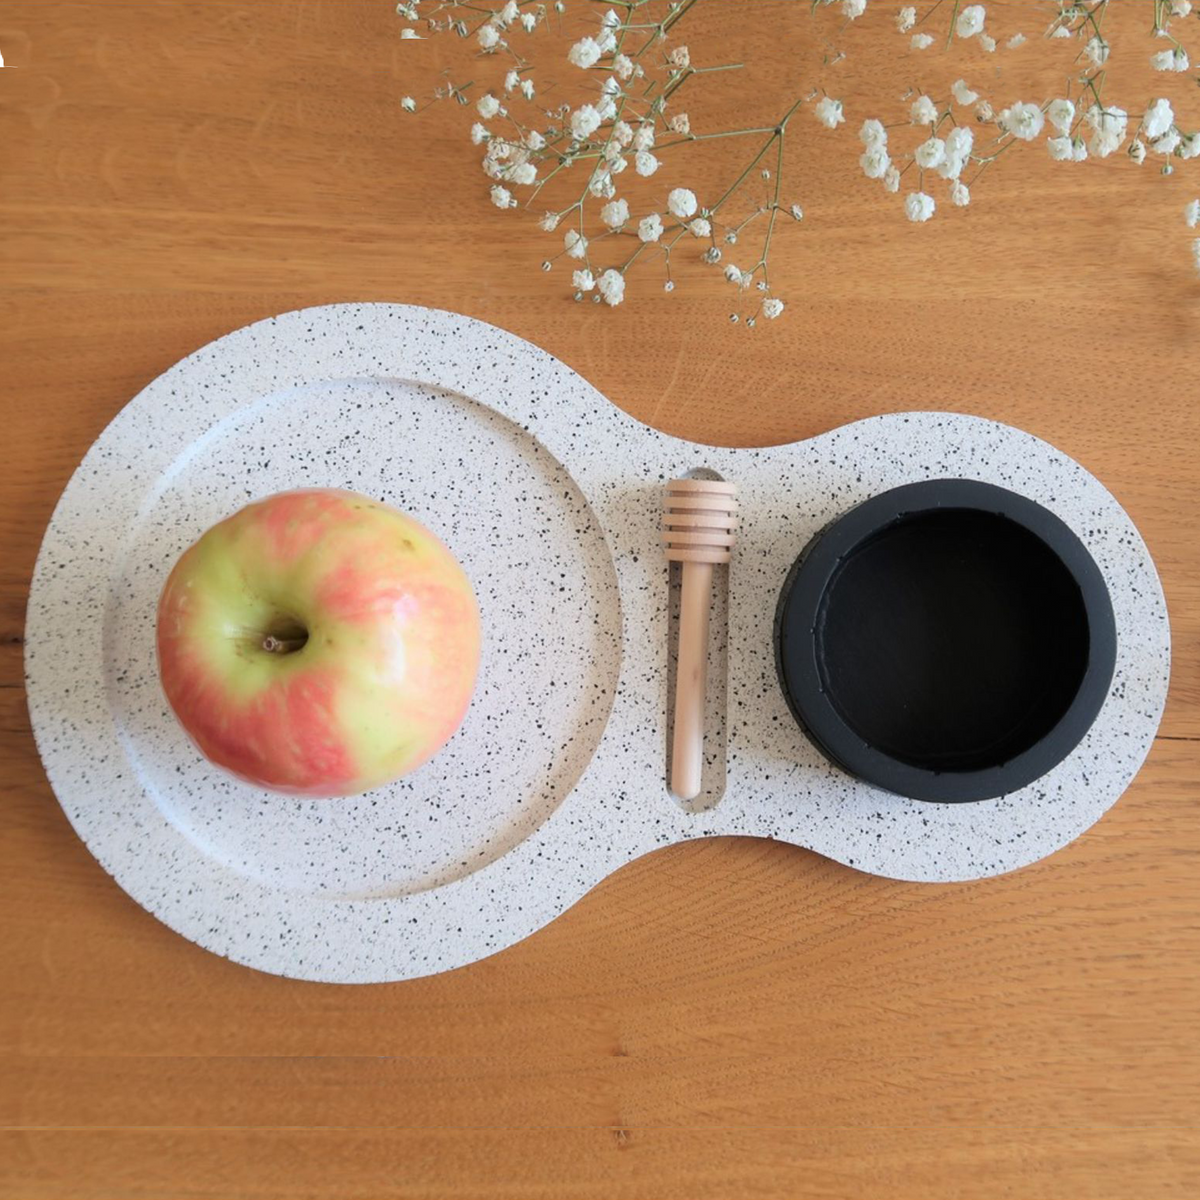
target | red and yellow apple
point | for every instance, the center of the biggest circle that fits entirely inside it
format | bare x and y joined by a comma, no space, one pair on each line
318,642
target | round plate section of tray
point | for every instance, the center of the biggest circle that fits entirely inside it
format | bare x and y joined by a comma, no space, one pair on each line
314,887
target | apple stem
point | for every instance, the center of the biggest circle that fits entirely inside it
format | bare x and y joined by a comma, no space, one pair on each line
275,645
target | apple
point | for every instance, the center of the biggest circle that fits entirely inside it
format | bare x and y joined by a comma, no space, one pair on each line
318,642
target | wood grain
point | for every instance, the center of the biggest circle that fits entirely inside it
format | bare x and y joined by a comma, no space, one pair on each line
729,1018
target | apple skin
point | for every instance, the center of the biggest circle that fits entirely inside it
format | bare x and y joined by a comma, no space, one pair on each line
318,642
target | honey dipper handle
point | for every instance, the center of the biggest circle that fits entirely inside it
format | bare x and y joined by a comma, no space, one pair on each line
687,748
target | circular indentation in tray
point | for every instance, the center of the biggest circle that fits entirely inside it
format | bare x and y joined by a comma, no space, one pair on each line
551,623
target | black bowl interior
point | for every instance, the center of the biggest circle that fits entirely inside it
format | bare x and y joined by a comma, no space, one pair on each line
952,639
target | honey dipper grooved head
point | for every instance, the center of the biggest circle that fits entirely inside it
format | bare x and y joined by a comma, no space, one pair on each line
699,519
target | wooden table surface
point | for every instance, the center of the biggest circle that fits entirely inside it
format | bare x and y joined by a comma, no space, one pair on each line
732,1018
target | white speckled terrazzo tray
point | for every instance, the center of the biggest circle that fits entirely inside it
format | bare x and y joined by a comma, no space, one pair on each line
550,496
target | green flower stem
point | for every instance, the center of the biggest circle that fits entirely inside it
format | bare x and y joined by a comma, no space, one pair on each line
925,16
680,12
776,133
766,250
953,18
705,137
987,162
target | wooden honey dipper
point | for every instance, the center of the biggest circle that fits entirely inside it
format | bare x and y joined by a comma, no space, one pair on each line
699,518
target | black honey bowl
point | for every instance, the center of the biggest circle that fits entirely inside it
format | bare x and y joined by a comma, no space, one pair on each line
946,640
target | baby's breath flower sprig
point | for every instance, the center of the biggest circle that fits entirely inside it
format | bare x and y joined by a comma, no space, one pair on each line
622,129
623,126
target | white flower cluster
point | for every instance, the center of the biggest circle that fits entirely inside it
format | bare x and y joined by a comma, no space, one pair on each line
970,21
947,156
1024,121
829,112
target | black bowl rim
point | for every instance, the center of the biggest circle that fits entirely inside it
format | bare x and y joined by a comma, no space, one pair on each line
809,578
